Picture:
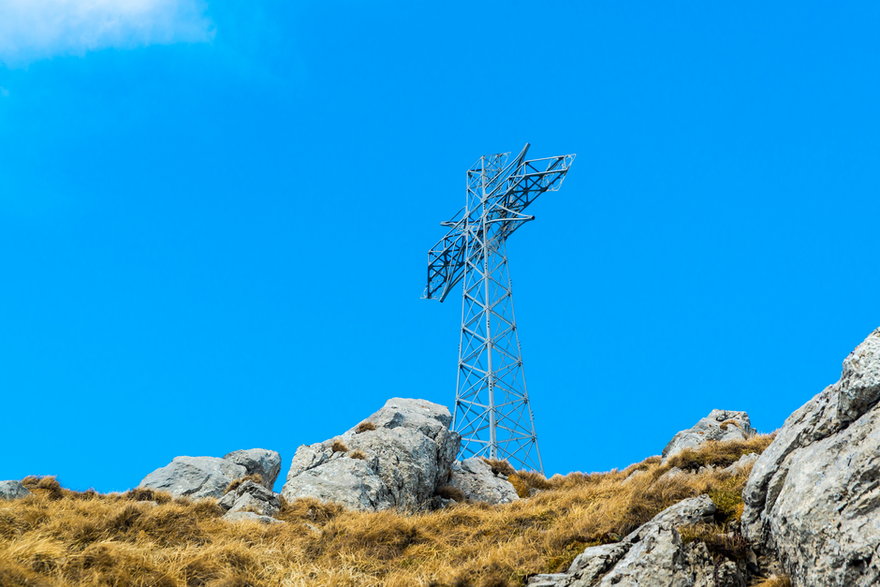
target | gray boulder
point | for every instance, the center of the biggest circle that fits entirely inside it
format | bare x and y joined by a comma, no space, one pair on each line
251,497
194,477
719,425
12,490
654,554
210,476
258,461
813,497
396,458
475,479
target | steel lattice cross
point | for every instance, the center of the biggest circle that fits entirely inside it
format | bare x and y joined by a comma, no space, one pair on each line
492,411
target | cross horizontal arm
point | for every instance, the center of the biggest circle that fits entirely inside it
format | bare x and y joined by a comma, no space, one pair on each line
498,215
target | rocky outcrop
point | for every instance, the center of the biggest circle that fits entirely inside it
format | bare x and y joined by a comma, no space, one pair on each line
258,461
209,476
12,490
813,497
654,554
476,481
719,425
396,458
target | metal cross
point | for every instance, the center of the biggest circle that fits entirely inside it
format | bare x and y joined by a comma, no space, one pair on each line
492,411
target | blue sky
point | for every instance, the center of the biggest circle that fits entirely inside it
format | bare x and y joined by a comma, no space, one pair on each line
214,217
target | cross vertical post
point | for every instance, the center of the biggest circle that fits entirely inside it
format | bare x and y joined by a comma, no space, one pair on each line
492,410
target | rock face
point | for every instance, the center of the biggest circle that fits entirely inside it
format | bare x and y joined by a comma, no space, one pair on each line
652,555
813,497
12,490
209,476
258,461
720,425
475,479
397,457
251,497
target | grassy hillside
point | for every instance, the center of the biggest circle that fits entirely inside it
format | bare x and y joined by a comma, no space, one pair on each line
59,537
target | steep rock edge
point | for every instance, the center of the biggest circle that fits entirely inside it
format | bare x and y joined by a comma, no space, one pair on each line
813,496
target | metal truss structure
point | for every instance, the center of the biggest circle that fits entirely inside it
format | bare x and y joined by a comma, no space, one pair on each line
492,410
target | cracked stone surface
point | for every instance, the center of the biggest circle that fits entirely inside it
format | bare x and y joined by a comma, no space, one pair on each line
396,458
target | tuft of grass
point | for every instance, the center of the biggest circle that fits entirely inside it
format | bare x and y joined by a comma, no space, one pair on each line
339,446
357,454
726,494
500,467
731,422
144,537
309,510
47,486
235,484
145,494
364,427
526,481
450,492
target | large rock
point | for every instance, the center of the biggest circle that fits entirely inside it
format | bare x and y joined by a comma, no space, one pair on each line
397,457
210,476
719,425
12,490
258,461
476,481
654,554
194,477
813,497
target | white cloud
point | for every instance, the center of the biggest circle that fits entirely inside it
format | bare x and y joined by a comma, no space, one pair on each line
35,29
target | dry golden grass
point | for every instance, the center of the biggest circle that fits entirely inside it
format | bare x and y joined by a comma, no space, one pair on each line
255,477
364,427
775,581
450,492
58,537
719,454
